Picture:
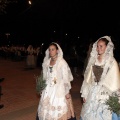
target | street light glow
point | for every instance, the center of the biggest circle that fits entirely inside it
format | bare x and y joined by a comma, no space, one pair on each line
29,2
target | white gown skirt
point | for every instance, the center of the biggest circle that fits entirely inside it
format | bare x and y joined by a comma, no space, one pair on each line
95,108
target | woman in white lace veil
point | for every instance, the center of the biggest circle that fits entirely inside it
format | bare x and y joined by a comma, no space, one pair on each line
101,79
59,53
56,101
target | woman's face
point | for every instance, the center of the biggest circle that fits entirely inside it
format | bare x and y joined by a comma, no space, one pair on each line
52,51
101,47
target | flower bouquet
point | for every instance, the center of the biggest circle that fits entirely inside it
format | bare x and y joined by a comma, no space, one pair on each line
114,106
40,83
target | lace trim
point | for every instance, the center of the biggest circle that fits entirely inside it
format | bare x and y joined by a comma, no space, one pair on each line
108,62
45,105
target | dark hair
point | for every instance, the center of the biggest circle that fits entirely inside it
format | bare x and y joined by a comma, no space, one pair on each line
54,45
104,40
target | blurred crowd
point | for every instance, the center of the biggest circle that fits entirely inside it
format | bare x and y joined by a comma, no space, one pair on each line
75,53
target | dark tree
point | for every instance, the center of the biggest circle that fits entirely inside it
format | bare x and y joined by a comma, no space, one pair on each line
4,4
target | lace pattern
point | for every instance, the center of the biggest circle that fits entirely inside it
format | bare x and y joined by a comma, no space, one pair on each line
108,62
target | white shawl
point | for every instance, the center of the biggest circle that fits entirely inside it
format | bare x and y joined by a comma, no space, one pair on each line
110,77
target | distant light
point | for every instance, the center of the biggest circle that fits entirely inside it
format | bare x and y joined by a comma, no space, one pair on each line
42,43
78,37
66,34
7,33
29,2
54,31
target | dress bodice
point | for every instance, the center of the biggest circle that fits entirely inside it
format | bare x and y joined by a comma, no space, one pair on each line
97,70
52,76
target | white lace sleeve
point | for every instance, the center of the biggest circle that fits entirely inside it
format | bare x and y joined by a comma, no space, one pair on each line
84,90
66,78
86,87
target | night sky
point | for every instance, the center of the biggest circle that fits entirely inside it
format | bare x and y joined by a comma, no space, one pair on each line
48,20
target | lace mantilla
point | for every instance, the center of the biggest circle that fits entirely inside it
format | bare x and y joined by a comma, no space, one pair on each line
108,62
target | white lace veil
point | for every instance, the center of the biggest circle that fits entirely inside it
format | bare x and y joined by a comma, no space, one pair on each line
108,52
109,64
59,58
108,56
109,49
93,56
60,53
47,57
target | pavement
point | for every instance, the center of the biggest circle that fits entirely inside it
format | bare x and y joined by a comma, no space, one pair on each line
19,93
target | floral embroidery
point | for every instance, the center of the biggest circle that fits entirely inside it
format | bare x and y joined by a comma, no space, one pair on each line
59,115
59,108
52,108
48,116
46,101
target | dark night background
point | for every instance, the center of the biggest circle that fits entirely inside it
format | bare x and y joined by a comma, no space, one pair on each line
84,18
74,24
50,20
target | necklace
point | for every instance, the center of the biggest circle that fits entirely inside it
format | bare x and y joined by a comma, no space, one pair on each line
51,70
52,59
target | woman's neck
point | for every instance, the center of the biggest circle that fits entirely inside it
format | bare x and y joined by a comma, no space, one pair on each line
100,57
54,58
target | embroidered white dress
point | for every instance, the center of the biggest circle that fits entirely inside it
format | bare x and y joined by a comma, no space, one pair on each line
53,103
95,108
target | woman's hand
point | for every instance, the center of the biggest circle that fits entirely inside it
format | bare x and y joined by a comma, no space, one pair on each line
67,96
84,100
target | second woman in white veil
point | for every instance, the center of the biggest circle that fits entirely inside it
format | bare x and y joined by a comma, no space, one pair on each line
101,79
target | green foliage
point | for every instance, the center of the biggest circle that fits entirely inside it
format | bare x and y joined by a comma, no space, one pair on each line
113,103
40,83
